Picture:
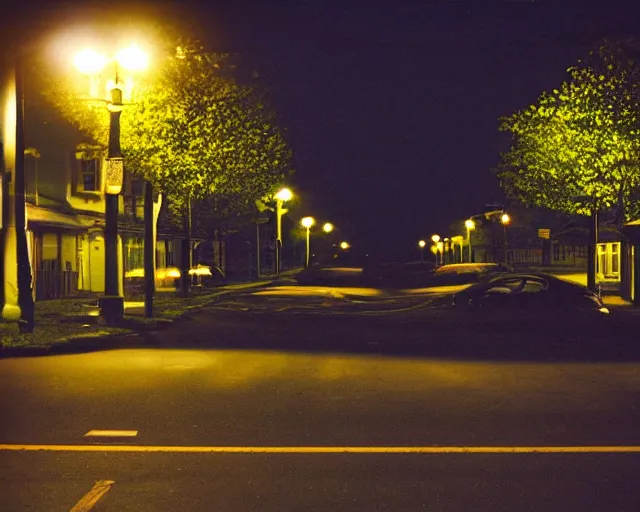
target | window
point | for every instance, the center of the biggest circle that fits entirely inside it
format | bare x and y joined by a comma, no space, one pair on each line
90,175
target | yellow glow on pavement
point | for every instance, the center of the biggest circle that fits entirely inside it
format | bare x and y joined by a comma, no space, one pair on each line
302,291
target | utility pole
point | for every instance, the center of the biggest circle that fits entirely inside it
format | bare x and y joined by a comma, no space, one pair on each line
18,303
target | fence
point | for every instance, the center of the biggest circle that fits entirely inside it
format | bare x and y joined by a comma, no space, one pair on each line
52,283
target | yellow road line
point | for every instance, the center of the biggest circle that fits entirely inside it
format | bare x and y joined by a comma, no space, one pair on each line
99,489
111,433
319,449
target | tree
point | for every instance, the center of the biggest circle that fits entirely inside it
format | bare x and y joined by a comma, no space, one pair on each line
191,130
577,150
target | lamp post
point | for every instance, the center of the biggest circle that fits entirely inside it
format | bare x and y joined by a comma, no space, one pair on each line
422,244
307,222
91,64
505,219
283,195
470,225
436,240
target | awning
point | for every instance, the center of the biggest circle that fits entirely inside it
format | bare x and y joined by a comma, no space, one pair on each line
44,217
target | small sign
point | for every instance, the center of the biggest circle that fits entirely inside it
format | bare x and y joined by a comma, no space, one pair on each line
544,233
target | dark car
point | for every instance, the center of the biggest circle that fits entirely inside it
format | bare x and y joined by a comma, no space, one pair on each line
534,295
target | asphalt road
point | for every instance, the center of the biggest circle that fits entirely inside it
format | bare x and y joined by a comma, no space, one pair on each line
243,407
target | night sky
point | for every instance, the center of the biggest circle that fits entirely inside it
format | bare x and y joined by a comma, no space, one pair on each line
391,111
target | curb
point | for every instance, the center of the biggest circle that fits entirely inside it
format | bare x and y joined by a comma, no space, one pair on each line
140,337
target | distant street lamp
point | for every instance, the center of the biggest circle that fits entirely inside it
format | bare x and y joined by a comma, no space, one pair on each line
91,64
283,195
436,240
470,225
344,246
505,219
308,223
328,227
422,244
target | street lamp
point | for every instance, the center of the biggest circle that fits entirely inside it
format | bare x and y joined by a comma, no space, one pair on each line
422,244
436,240
328,227
283,195
344,245
505,219
91,63
470,225
307,222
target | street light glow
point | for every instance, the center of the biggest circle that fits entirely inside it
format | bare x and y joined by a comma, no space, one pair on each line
469,224
89,62
328,227
284,194
132,58
435,239
344,245
422,244
308,222
505,219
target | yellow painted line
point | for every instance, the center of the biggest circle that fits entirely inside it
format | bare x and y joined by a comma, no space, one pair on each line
318,449
99,489
111,433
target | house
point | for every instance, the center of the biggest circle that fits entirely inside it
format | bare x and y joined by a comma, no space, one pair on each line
65,184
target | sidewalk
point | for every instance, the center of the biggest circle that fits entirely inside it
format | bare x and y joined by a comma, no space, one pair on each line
74,325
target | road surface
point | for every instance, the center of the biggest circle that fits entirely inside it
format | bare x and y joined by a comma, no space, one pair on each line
235,409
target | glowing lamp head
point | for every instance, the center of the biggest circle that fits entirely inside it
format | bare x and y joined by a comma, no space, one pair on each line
435,239
344,245
132,58
328,227
284,194
422,244
469,224
505,219
89,62
308,222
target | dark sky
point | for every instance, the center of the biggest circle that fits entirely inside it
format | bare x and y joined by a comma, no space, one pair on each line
391,107
392,110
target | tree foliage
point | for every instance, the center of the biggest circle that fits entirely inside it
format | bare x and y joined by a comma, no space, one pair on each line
578,147
191,129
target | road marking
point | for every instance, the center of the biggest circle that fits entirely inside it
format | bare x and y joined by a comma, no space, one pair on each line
319,449
99,489
111,433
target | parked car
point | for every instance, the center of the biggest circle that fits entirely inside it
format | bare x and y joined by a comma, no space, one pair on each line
540,296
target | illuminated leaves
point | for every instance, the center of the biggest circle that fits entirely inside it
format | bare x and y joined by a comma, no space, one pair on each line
578,146
191,130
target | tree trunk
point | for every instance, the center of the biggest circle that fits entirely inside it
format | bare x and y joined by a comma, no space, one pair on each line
149,251
592,259
185,253
25,291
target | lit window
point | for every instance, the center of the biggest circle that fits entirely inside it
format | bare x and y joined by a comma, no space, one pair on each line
90,175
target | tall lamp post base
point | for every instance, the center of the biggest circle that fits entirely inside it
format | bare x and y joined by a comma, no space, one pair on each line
111,308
